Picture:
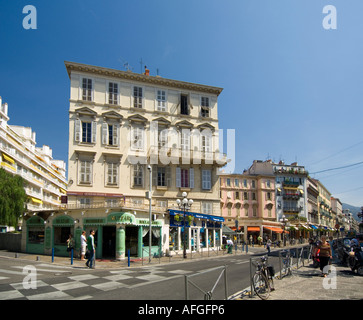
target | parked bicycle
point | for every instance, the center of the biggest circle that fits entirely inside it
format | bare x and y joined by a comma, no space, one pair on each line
262,280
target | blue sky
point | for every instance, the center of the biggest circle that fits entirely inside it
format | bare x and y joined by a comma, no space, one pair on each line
292,90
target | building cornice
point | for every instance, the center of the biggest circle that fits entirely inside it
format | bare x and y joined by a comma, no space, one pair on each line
131,76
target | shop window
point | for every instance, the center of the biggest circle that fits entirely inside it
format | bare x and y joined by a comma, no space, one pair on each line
61,234
155,237
36,235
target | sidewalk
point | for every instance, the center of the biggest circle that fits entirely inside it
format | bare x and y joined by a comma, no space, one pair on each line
134,262
307,284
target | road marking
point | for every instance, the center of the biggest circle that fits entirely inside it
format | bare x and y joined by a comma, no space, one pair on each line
117,277
11,272
44,270
12,294
69,285
83,277
151,277
49,296
20,285
106,286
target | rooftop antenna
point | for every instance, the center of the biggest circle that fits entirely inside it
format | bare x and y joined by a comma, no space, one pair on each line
141,64
126,65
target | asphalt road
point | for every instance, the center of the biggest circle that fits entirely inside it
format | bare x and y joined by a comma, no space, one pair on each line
36,280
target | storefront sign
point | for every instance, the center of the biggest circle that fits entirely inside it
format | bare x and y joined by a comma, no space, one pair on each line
145,222
35,221
94,221
121,217
63,221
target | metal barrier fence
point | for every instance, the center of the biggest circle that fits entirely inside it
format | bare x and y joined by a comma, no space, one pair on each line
286,261
207,294
178,255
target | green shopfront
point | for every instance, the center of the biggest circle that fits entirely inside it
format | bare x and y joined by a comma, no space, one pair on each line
116,234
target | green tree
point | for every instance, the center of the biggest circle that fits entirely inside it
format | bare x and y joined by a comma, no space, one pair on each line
12,198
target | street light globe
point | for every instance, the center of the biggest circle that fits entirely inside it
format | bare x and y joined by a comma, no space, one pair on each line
190,202
178,202
184,194
185,201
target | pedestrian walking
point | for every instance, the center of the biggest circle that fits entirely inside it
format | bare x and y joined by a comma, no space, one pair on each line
268,245
70,245
325,255
83,245
92,250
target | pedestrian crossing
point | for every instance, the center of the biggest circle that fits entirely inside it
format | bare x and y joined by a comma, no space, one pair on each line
68,285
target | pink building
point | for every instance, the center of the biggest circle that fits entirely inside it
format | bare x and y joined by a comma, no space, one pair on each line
248,203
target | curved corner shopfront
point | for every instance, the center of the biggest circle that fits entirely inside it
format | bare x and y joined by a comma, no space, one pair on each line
115,235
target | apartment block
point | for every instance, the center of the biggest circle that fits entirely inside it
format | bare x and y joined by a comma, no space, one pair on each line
130,131
45,177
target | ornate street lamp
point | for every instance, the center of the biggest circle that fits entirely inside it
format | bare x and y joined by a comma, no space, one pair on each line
184,205
284,222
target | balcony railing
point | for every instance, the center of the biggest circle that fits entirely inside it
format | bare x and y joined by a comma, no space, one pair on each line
193,156
127,204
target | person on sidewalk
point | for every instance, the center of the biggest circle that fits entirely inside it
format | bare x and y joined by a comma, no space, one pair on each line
70,245
92,250
83,245
259,239
268,245
325,255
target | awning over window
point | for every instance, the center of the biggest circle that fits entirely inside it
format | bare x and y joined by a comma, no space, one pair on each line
7,158
197,215
274,229
253,228
36,200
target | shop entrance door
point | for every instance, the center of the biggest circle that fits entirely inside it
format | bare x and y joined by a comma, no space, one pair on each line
194,239
131,240
109,242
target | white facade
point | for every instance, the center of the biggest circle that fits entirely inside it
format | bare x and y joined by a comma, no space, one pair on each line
119,123
44,177
291,191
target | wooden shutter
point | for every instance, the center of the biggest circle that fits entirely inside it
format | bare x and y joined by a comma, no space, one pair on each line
191,177
77,130
177,177
104,133
94,131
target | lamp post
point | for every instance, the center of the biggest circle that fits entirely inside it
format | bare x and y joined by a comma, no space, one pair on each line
184,205
360,215
149,196
283,220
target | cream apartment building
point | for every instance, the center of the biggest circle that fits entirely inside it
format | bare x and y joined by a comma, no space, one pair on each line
44,177
127,131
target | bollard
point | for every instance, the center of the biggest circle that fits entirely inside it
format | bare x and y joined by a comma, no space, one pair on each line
128,257
243,247
52,254
72,256
38,258
246,248
16,255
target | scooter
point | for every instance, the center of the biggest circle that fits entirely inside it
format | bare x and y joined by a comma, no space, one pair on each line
355,260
